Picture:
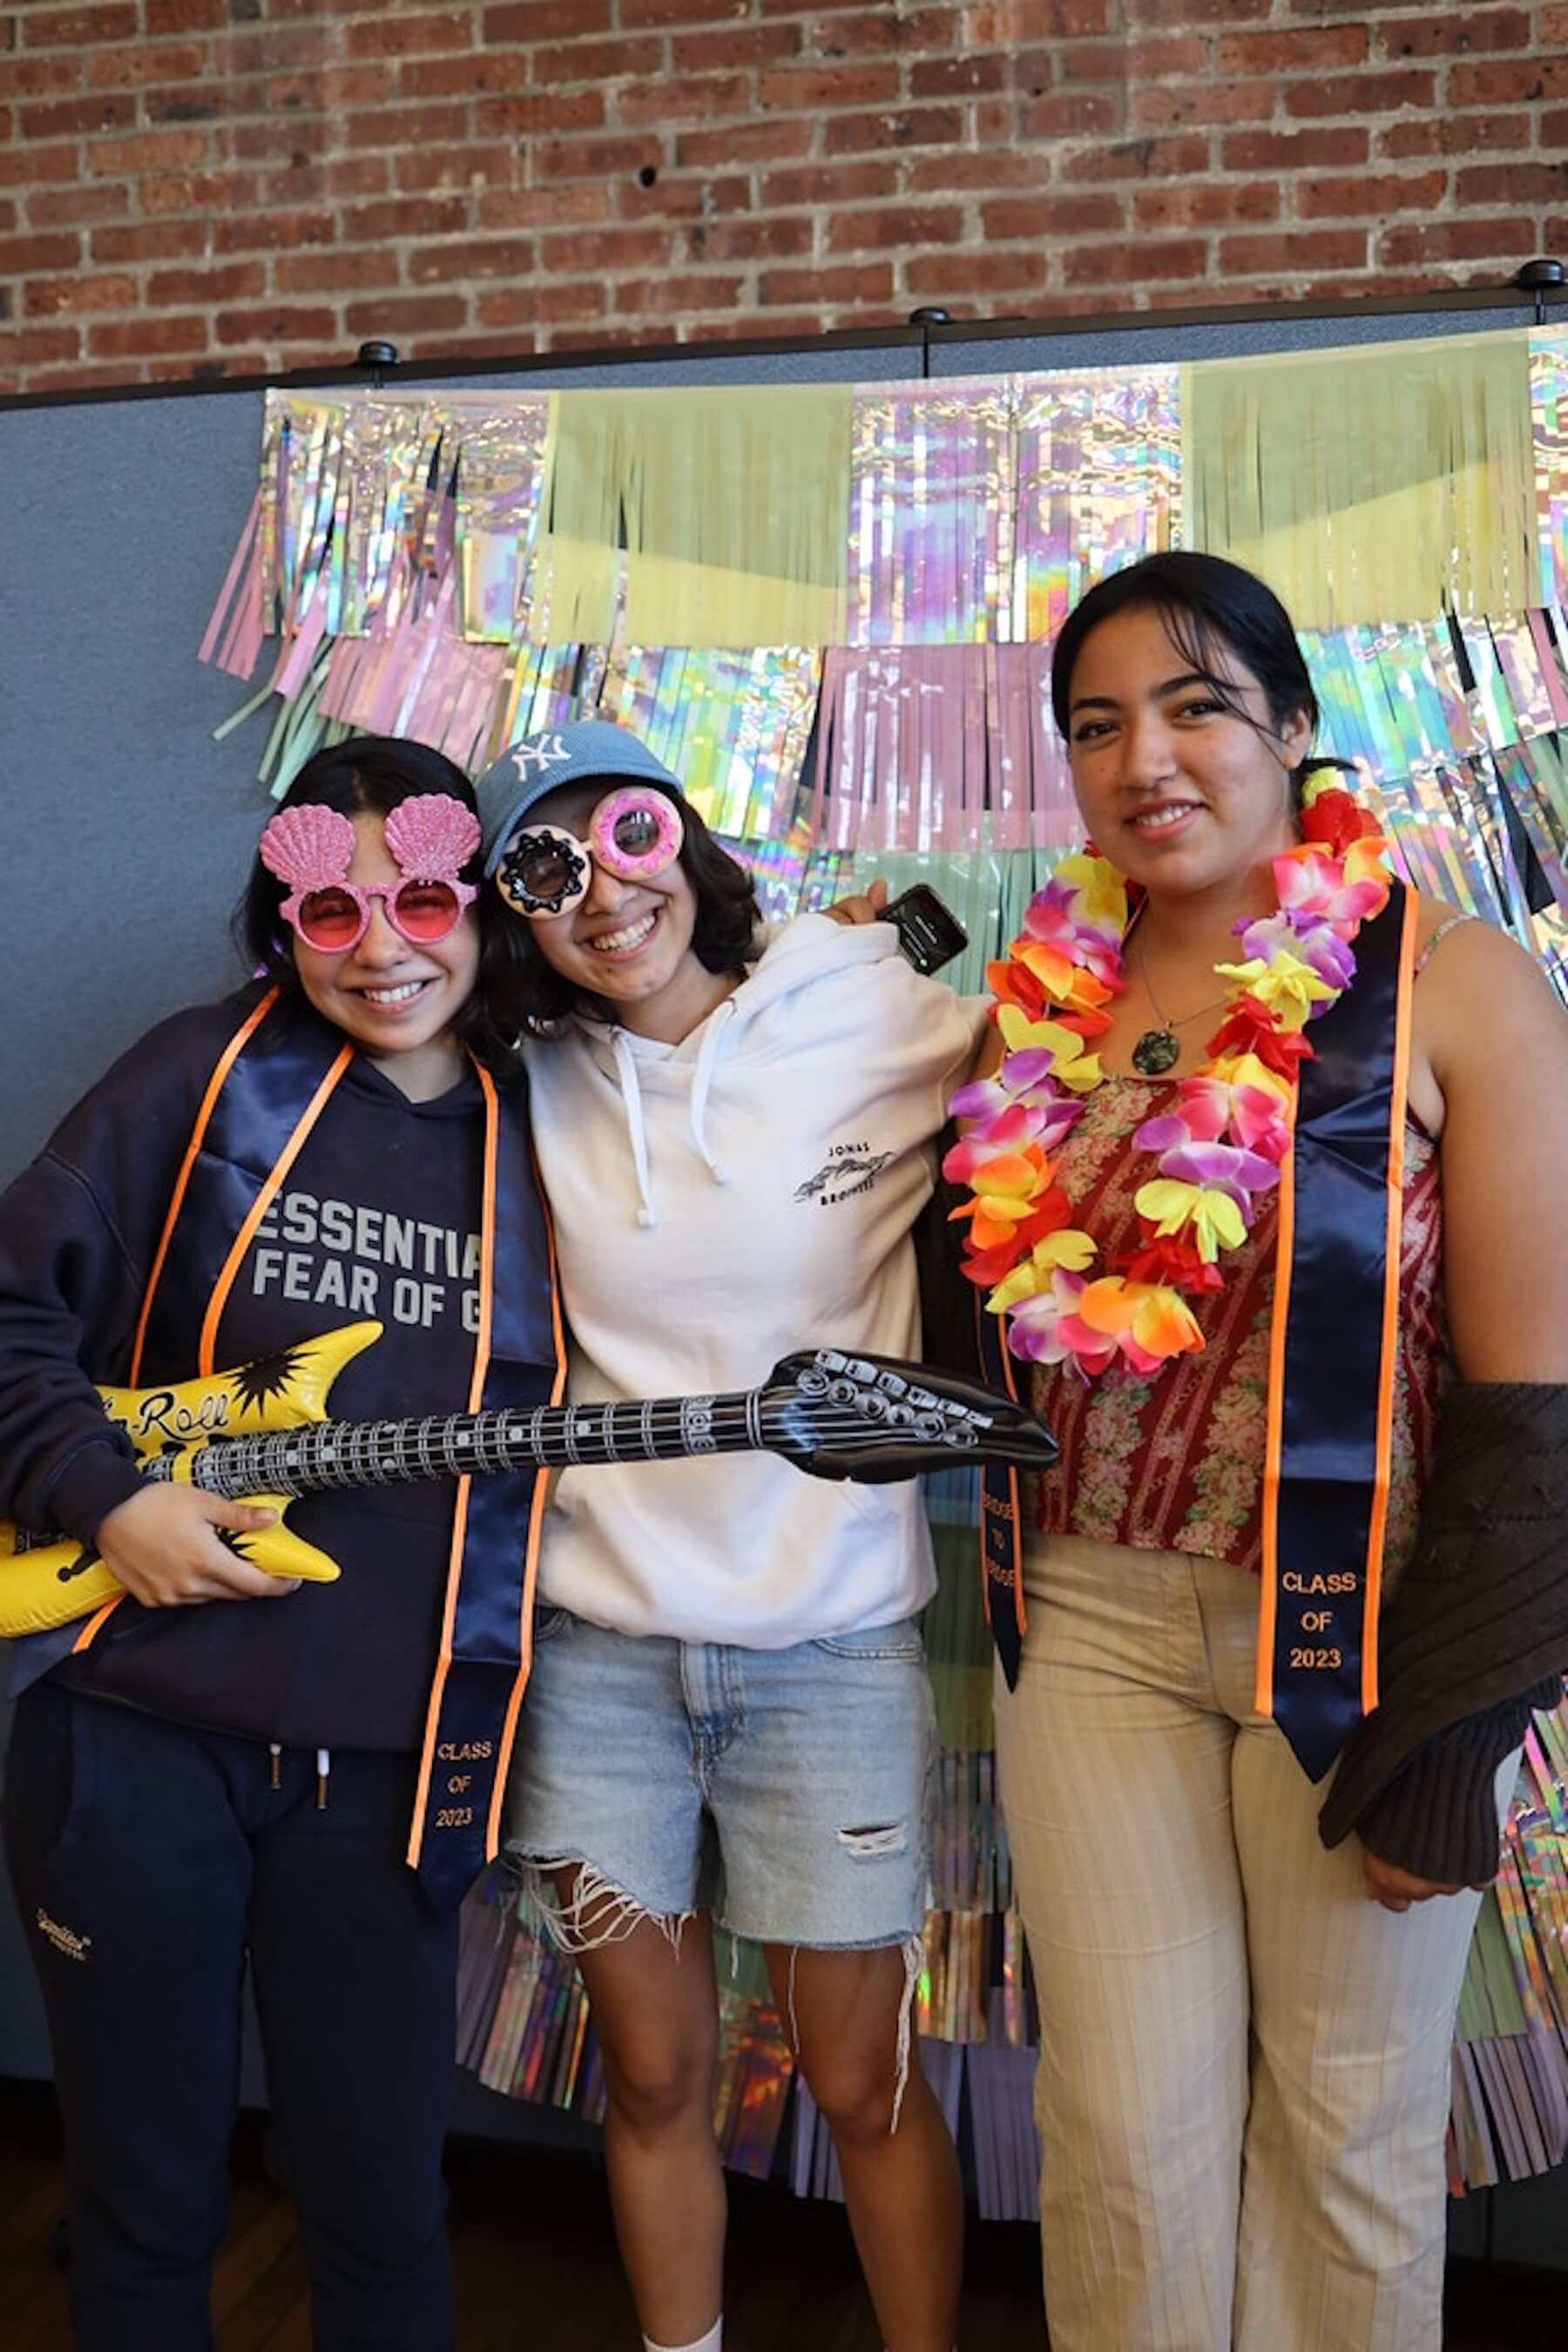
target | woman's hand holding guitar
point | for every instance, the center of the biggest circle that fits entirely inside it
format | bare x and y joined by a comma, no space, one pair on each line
166,1548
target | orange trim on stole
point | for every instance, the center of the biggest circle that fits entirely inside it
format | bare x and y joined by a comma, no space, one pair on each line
1384,1455
94,1625
460,1513
1269,1588
221,1068
1015,1495
207,1347
530,1563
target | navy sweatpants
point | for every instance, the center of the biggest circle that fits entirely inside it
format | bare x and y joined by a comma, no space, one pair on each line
149,1861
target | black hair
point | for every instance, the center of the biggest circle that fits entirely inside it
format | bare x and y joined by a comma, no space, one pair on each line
369,773
1209,606
530,995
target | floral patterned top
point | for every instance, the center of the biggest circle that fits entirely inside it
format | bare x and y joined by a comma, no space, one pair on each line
1175,1463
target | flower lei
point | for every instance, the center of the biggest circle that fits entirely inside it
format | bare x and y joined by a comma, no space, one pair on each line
1224,1142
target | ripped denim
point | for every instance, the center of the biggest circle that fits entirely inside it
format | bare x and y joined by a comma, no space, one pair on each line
787,1791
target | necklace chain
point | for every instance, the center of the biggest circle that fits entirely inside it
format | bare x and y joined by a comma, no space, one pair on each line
1211,1006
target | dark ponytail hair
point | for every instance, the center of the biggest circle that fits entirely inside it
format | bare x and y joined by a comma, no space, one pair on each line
531,996
368,774
1210,607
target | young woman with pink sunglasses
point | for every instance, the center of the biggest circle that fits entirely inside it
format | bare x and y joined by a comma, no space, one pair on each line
214,1773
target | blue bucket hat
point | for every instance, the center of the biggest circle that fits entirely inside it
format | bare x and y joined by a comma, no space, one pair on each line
536,765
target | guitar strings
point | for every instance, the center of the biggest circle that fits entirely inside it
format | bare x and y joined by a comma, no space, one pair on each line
511,1428
336,1452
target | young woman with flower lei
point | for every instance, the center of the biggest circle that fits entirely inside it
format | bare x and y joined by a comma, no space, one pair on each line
1244,2075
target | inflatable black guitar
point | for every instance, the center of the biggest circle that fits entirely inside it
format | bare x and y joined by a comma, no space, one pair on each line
259,1434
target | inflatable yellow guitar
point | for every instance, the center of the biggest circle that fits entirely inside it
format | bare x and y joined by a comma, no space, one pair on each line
259,1434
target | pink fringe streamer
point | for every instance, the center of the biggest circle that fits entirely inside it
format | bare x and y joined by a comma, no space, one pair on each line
414,676
944,748
239,599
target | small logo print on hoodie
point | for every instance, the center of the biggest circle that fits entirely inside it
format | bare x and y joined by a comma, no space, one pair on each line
849,1168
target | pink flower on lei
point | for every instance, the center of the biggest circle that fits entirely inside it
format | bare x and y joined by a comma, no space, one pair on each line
1047,1330
1239,1095
1057,917
1333,890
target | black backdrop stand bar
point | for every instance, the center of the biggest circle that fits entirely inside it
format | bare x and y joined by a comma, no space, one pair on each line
1541,286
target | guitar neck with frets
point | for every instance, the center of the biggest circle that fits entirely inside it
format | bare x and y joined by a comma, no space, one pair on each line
259,1434
335,1453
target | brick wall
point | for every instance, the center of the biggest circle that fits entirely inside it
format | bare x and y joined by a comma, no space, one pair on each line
224,186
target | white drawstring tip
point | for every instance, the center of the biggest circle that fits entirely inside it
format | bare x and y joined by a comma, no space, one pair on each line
646,1217
323,1766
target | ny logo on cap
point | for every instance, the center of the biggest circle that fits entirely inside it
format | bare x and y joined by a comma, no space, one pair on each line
547,752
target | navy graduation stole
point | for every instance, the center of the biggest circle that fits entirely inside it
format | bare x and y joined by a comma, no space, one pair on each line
267,1091
1332,1354
1001,1515
1333,1345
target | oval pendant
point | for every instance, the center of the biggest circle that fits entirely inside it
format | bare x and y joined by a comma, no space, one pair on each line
1155,1053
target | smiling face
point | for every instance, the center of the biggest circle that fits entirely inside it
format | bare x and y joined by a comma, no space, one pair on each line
1181,793
396,1000
627,942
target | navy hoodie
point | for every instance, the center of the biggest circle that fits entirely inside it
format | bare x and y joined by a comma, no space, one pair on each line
378,1216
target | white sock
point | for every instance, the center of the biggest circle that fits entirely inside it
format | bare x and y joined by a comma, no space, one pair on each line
712,2342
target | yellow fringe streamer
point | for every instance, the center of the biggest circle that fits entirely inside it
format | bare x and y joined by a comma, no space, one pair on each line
725,516
1367,484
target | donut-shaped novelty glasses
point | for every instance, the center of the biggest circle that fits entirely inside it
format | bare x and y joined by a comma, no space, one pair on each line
633,834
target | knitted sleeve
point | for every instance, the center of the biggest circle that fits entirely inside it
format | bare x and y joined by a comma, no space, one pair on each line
1438,1815
1477,1629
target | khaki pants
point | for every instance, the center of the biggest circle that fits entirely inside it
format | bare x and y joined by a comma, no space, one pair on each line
1244,2074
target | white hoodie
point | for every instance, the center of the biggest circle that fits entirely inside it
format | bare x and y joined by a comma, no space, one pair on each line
718,1204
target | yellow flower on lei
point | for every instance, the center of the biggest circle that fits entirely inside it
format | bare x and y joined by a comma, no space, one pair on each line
1247,1070
1104,901
1215,1222
1068,1248
1070,1065
1287,986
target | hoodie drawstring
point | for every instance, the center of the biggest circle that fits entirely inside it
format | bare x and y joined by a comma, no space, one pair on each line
701,1086
637,1133
323,1769
702,1081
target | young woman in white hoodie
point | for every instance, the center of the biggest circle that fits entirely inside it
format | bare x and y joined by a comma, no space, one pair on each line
729,1721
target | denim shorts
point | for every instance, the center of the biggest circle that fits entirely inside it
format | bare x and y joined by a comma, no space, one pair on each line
787,1791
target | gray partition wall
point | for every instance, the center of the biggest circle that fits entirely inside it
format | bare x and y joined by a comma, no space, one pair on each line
126,832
